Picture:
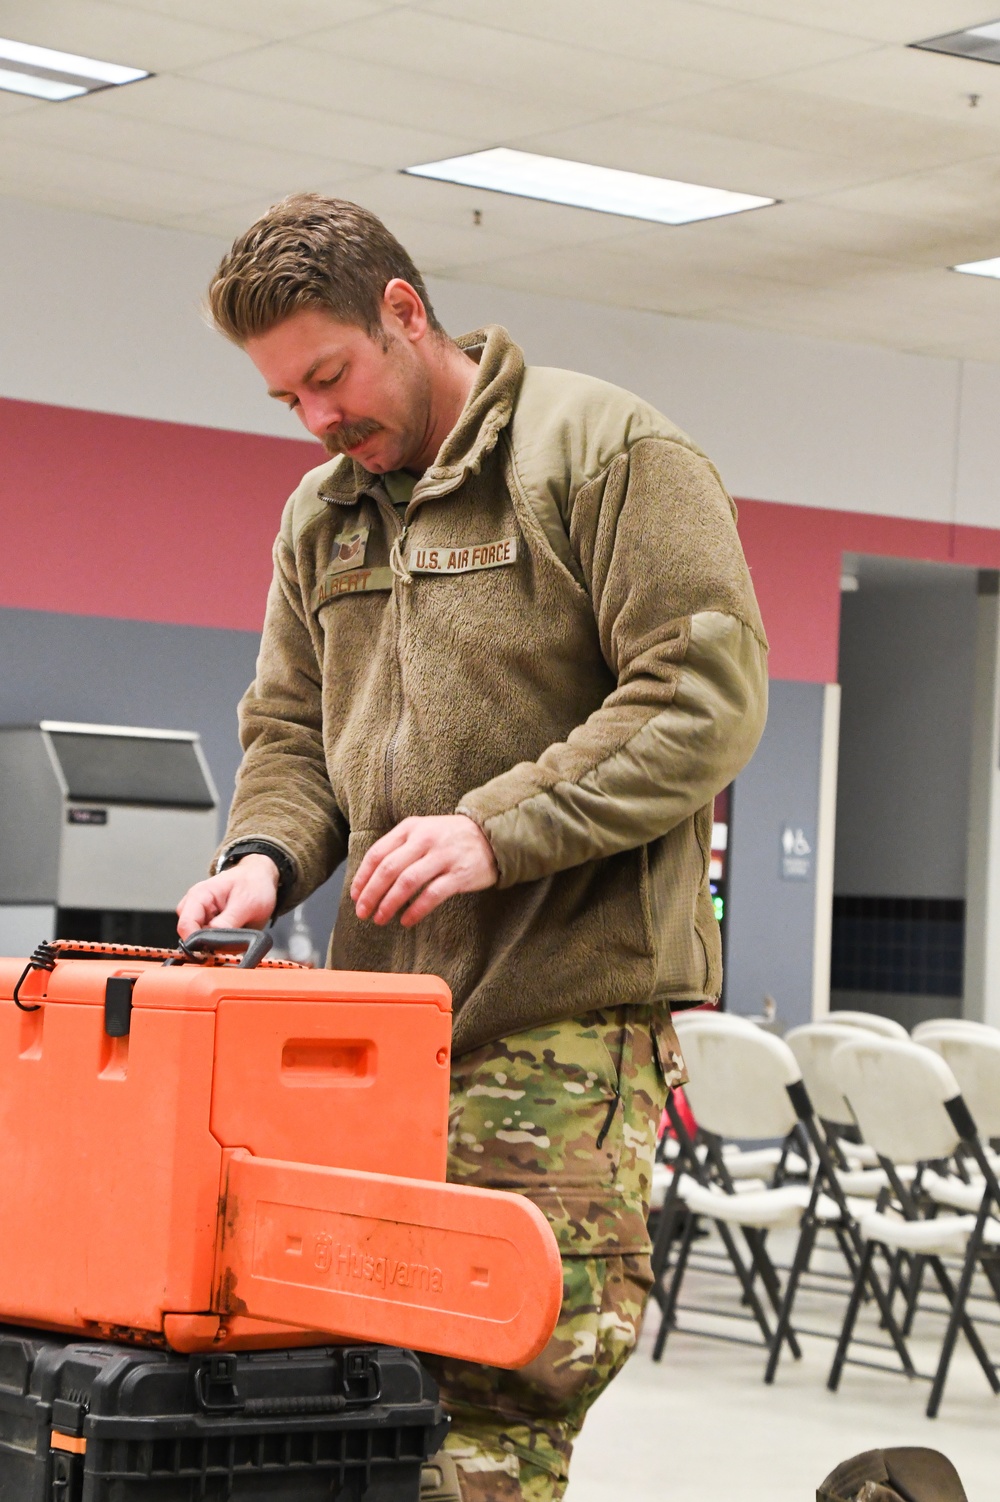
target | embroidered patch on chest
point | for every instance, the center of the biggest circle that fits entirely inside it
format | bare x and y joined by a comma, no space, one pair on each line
347,551
358,581
466,560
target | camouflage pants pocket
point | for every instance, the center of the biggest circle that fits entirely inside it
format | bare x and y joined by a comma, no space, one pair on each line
567,1114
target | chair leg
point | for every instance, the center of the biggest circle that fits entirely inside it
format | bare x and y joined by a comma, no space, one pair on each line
895,1276
745,1276
888,1321
673,1293
847,1251
957,1298
991,1268
660,1257
913,1292
807,1237
762,1263
847,1330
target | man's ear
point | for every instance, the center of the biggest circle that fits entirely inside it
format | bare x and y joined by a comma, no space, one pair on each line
403,309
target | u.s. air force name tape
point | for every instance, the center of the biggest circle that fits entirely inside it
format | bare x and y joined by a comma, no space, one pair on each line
359,581
447,560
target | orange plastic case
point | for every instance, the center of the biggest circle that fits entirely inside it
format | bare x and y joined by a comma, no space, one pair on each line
259,1160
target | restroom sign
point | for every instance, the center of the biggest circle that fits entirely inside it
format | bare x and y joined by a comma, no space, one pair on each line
796,854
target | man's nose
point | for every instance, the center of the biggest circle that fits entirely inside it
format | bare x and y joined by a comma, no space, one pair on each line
319,414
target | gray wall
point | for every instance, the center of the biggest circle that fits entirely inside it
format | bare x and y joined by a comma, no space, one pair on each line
770,920
907,644
90,668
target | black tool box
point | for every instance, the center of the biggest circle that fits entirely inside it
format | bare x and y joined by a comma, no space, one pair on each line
84,1421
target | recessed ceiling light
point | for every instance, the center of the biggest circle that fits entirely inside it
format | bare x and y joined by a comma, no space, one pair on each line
982,43
47,74
605,189
981,268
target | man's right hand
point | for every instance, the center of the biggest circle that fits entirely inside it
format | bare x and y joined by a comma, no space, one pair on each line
243,896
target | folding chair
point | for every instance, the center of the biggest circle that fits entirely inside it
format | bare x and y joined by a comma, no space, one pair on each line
972,1053
745,1083
814,1045
772,1165
954,1024
911,1110
871,1022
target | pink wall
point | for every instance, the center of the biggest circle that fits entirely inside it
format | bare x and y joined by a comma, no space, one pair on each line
154,521
148,521
795,557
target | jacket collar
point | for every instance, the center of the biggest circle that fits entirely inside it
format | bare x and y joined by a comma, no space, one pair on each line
485,414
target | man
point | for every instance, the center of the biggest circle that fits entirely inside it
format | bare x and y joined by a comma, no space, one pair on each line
511,653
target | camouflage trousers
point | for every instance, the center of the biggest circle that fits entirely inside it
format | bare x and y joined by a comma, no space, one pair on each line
566,1114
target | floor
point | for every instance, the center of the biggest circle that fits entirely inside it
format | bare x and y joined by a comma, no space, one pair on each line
702,1427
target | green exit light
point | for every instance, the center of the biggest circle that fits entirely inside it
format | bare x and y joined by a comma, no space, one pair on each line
720,907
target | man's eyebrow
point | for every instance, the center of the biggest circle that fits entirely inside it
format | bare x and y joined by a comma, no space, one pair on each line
306,378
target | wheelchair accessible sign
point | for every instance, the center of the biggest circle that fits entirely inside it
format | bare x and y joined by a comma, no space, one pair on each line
796,854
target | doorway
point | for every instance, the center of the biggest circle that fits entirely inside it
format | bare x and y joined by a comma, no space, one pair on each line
907,676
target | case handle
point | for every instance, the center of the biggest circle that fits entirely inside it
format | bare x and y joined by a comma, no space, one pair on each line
255,941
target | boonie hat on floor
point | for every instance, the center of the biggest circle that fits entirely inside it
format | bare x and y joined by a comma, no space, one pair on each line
906,1474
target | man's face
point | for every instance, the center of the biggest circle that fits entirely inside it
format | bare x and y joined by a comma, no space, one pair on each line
365,397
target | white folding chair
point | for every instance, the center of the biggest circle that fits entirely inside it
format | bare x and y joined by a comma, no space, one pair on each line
911,1110
972,1053
871,1021
954,1024
771,1165
745,1083
814,1045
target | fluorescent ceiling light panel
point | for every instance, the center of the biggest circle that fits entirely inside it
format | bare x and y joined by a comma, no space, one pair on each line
47,74
604,189
40,88
981,43
981,268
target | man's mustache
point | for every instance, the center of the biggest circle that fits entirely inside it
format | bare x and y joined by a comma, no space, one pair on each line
349,434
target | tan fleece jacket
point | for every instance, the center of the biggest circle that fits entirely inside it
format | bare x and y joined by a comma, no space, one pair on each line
563,643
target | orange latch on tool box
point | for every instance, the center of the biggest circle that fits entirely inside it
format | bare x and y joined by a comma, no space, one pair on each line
210,1156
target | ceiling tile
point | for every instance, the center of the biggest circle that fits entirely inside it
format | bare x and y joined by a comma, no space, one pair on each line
963,198
288,18
282,124
672,33
721,246
120,33
878,308
17,104
879,139
819,230
881,20
588,81
482,114
901,78
48,174
96,133
600,274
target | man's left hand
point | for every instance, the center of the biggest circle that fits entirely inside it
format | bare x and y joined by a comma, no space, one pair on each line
421,863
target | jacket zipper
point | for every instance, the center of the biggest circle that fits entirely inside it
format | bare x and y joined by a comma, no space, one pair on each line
390,751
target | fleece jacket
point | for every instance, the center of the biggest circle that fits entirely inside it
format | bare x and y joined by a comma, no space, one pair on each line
559,638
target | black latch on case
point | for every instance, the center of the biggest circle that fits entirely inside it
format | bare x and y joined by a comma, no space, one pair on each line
118,1005
215,1385
68,1416
362,1379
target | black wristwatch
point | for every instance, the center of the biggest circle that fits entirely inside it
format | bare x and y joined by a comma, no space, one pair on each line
286,870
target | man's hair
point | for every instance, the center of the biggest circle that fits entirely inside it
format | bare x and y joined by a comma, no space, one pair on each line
310,252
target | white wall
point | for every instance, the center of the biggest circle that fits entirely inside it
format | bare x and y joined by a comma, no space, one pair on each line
907,665
103,314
